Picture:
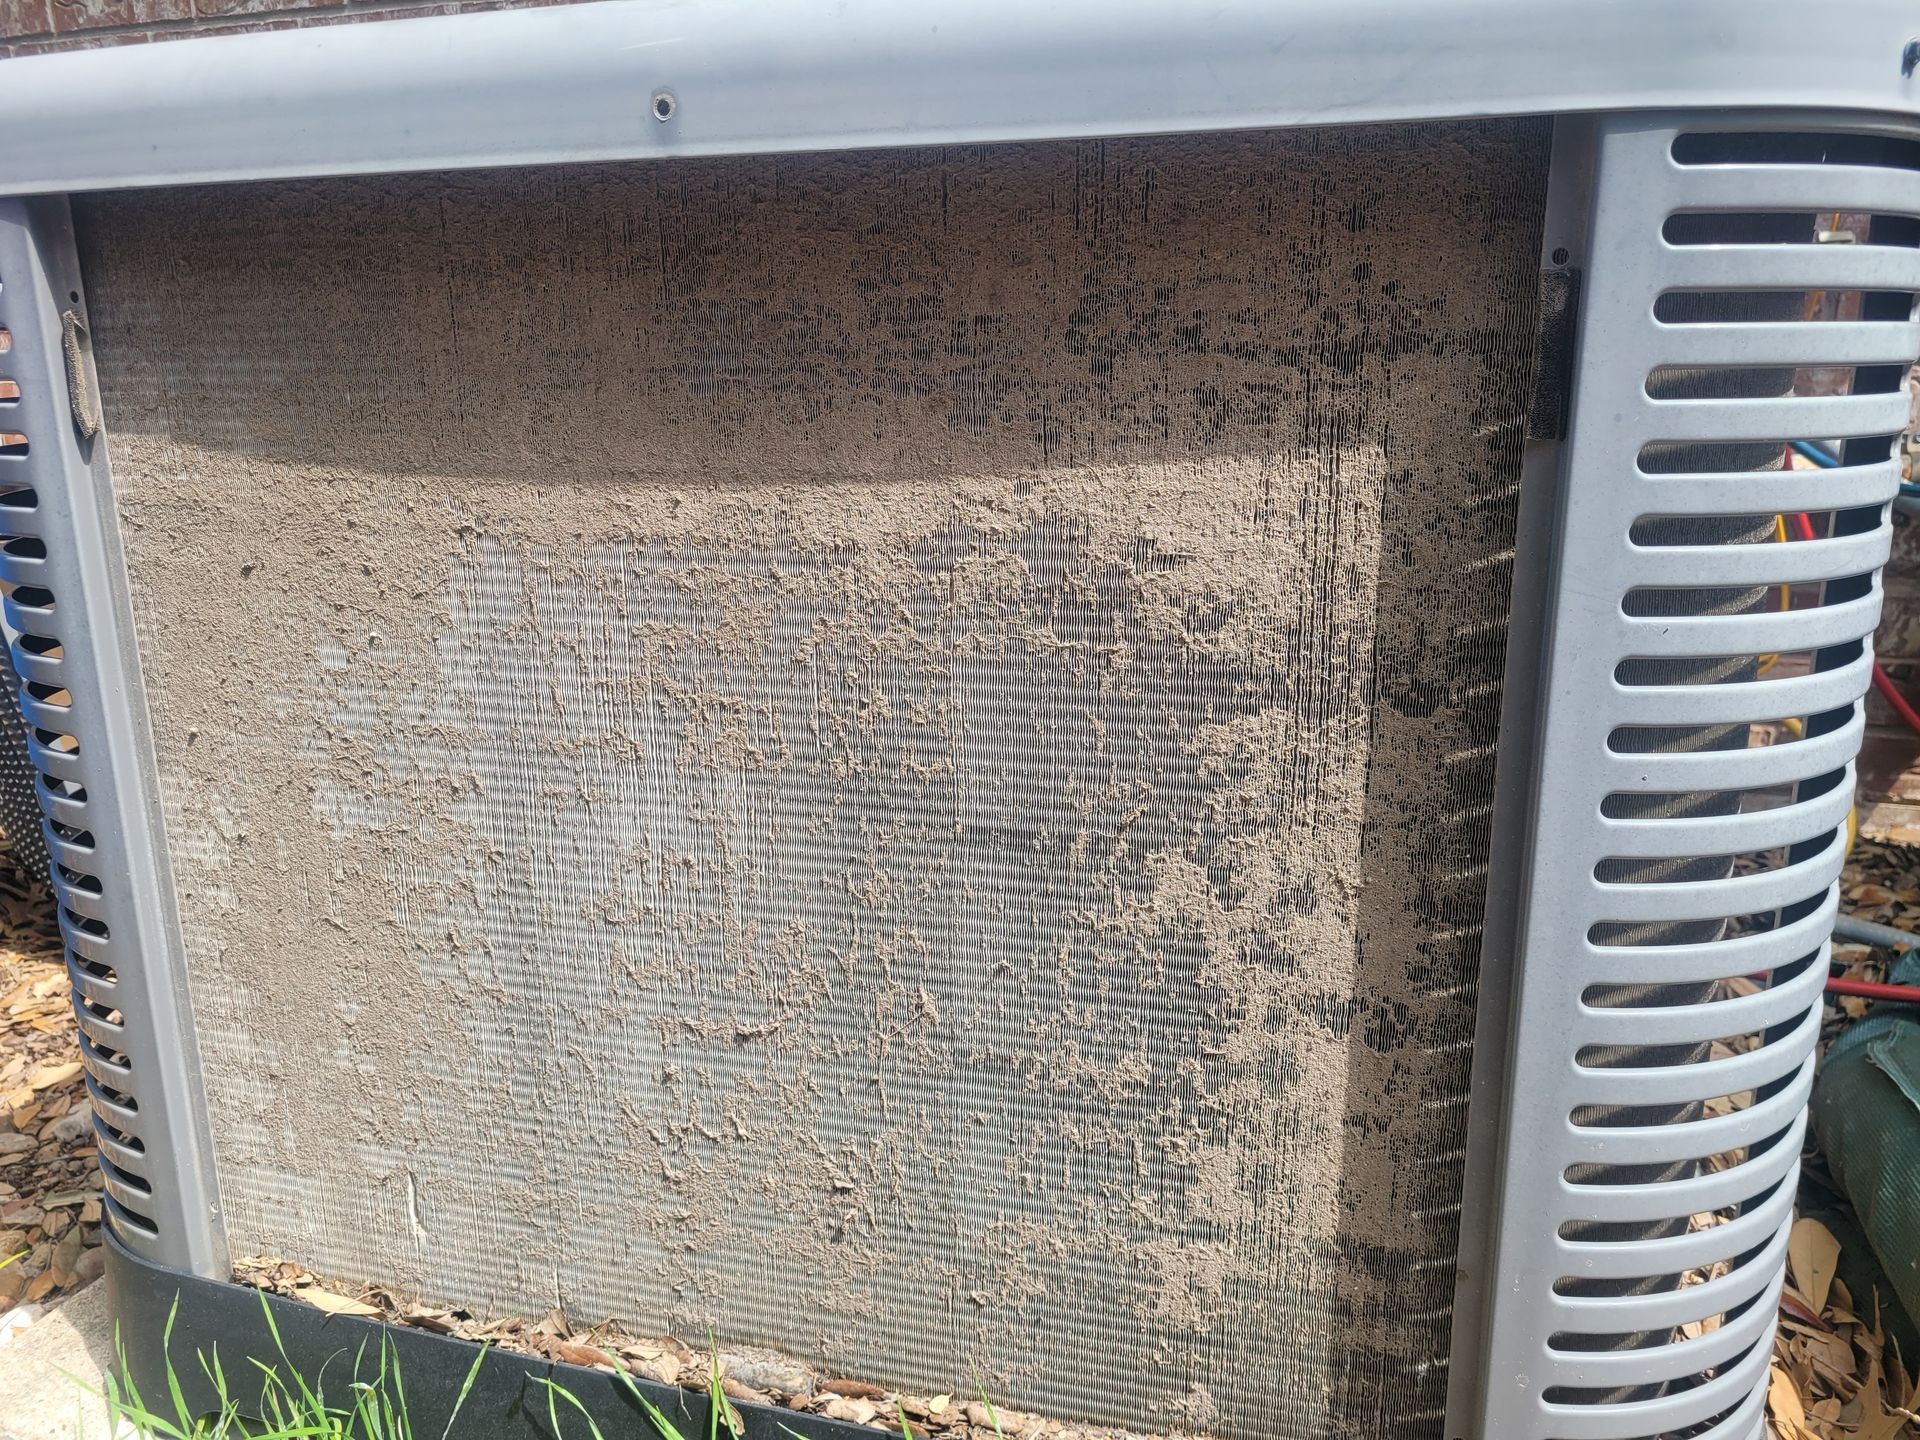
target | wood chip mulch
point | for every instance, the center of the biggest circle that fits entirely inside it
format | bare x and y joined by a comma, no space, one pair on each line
49,1172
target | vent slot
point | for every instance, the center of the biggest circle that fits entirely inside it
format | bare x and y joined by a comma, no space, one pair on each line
1784,147
1778,227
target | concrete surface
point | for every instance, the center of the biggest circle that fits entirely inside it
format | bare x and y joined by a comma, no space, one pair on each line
44,1365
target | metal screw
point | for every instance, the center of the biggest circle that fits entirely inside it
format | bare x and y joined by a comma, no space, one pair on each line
1910,57
664,104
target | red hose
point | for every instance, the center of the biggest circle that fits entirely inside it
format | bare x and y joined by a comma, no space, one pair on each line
1881,680
1909,994
1891,694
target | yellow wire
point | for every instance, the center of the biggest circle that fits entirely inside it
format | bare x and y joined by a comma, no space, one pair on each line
1793,724
1767,662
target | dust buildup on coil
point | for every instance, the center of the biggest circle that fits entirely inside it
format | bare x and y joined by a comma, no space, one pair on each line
887,752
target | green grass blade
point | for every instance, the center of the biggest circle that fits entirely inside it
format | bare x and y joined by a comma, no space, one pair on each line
403,1423
717,1407
174,1392
216,1376
668,1430
123,1398
120,1413
554,1388
309,1401
991,1414
466,1388
127,1407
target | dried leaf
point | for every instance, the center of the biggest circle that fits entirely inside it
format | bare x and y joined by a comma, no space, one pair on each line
853,1389
1783,1399
47,1076
1812,1255
334,1304
67,1254
1877,1423
440,1322
572,1352
853,1411
662,1367
1794,1304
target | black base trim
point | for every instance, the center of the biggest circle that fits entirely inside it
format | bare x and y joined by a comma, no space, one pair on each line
507,1399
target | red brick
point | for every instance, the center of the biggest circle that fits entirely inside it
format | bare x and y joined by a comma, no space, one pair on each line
25,17
85,40
42,25
245,27
74,15
405,10
212,8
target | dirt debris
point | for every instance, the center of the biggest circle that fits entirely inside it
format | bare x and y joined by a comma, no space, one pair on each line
748,1376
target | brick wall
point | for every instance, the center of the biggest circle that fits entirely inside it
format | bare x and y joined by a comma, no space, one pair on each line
27,26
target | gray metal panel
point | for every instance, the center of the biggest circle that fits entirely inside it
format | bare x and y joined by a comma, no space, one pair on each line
1562,245
1617,1175
577,82
81,691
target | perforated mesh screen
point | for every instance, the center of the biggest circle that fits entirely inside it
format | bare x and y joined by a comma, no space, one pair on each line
890,753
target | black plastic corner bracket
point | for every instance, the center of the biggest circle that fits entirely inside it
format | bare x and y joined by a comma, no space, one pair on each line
1554,351
507,1399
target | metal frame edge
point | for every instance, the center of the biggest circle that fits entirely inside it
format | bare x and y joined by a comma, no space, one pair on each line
579,82
1537,541
77,523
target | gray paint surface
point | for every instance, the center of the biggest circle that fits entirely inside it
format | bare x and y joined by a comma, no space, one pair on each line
570,83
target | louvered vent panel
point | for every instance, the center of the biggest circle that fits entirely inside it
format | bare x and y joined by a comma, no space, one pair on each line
1684,882
61,702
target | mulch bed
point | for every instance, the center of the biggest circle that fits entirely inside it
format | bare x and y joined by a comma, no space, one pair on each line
49,1172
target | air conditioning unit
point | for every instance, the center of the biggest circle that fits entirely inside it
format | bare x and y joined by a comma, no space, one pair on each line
1083,691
